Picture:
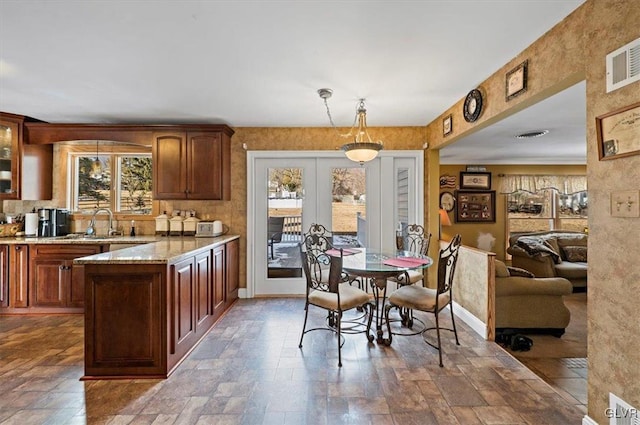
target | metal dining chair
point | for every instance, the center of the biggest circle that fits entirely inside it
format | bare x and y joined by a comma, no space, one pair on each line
415,240
414,297
322,267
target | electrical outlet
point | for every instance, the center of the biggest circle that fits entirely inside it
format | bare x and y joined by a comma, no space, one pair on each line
625,203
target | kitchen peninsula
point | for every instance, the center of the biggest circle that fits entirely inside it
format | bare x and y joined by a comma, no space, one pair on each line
148,306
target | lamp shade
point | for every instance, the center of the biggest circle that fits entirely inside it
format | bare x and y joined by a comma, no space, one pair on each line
444,218
361,151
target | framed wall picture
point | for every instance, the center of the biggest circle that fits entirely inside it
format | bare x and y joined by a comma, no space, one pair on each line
475,180
619,133
475,206
447,125
516,82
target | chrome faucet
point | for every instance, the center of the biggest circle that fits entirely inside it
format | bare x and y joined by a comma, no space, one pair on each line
91,230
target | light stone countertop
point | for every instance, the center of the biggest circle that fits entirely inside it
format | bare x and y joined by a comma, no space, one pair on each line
77,239
163,251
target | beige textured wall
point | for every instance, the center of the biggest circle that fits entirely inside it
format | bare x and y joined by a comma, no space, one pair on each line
614,278
298,139
573,50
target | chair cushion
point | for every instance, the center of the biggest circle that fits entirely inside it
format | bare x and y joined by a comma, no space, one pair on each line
418,298
501,269
350,297
414,276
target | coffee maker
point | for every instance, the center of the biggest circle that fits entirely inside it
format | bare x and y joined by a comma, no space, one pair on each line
53,222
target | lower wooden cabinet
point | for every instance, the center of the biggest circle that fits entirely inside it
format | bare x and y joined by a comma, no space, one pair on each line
54,281
18,276
181,300
4,276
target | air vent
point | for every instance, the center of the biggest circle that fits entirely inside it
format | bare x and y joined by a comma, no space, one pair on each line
623,66
621,412
532,134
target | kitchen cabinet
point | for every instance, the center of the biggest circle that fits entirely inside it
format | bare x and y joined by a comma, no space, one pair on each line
218,275
18,275
54,281
4,276
192,164
164,308
232,269
25,170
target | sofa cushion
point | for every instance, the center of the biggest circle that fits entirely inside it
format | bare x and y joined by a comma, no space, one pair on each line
501,269
572,239
575,253
569,270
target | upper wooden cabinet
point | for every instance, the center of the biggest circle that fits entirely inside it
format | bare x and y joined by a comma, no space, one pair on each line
192,164
25,170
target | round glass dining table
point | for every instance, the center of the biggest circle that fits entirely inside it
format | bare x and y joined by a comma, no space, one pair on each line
378,266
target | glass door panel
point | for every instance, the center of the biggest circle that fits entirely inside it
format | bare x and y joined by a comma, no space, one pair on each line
349,206
284,222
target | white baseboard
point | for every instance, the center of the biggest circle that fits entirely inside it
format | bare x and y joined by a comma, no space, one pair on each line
472,321
242,293
588,421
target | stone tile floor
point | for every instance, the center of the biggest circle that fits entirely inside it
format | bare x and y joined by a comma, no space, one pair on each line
249,370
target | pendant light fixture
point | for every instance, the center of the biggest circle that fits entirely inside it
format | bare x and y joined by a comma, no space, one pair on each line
96,166
363,148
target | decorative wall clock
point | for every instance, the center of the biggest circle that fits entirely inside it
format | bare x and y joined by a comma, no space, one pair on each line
472,105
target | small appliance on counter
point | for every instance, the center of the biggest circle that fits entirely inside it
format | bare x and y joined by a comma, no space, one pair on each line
210,229
31,224
53,222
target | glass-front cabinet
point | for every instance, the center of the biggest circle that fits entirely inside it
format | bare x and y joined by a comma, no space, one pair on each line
9,132
25,169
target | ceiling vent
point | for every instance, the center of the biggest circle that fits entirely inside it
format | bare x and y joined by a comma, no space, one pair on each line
623,66
532,134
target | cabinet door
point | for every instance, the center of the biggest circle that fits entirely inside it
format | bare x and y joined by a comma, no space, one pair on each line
48,282
204,168
54,280
218,263
4,275
75,293
9,155
170,166
233,269
19,276
183,307
204,307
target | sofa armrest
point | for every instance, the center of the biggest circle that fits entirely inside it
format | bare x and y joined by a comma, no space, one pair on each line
516,285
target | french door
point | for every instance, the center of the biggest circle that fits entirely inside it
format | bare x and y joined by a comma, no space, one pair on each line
289,191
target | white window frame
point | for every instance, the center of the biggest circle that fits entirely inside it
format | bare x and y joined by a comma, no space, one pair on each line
116,174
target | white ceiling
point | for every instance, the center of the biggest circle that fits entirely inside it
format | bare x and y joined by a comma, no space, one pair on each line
259,63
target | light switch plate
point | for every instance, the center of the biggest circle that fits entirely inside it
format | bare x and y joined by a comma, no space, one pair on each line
625,203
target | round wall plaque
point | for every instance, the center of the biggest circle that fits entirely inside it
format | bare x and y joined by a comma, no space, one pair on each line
472,105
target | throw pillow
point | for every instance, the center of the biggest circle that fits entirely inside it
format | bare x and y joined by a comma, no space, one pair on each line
575,253
517,271
501,269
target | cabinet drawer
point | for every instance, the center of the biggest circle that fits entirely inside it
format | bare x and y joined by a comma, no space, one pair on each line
66,251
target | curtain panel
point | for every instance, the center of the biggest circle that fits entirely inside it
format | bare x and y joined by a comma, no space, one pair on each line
512,183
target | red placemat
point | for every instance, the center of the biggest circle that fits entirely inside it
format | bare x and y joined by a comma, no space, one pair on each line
345,252
405,262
